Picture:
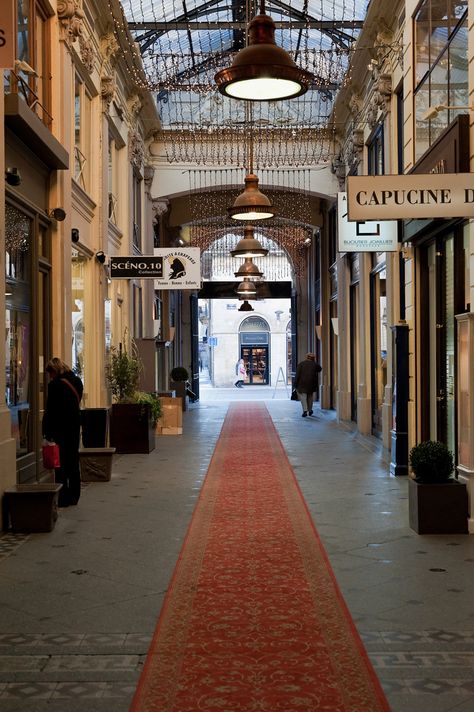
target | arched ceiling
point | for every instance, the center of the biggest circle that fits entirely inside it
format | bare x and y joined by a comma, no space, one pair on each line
184,43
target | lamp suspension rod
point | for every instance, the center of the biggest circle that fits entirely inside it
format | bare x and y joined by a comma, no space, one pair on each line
249,121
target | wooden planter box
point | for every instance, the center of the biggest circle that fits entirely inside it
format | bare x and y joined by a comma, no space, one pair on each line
131,429
33,508
96,463
438,508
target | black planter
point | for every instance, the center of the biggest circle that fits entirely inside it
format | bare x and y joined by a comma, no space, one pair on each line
438,508
95,424
131,428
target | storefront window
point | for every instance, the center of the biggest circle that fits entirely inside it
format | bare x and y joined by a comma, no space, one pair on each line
78,269
82,134
18,325
33,47
379,347
441,67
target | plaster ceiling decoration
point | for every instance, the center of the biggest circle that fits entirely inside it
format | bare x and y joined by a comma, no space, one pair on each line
184,43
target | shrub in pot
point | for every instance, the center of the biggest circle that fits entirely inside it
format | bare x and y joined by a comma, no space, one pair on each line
133,414
179,377
437,501
431,462
179,373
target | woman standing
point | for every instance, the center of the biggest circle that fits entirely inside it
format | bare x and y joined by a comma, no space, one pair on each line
241,373
62,425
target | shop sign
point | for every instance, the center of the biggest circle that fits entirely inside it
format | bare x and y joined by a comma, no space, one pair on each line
169,268
7,36
362,235
254,338
419,196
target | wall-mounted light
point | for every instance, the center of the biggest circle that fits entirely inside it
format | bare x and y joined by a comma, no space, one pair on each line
100,257
12,176
58,214
433,111
22,66
75,234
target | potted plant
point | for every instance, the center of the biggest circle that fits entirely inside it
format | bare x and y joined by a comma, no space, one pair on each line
180,383
437,501
133,414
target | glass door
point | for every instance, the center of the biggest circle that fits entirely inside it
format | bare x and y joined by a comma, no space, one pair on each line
256,364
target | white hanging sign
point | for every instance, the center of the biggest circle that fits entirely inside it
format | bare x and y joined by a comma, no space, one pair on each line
362,235
170,268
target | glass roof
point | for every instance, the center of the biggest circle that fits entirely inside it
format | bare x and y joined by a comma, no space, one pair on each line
184,44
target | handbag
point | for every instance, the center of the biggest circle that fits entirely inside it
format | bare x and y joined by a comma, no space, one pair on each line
51,459
294,395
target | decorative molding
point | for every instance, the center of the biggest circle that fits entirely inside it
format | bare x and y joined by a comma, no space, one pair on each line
339,169
70,15
87,53
355,104
108,47
148,175
354,147
136,149
134,106
160,207
107,88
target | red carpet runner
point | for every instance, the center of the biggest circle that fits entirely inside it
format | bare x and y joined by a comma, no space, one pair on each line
254,620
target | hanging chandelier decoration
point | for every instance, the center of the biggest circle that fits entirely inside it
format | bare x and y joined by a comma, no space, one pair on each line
252,204
262,71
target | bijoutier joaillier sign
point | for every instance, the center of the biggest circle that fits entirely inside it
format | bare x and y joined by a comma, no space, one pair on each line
401,197
178,268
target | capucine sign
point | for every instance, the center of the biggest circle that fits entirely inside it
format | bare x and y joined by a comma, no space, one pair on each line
402,197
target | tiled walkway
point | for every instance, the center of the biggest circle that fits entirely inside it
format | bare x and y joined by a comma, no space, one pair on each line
78,606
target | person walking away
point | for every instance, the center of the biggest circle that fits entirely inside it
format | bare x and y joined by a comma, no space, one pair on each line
241,373
306,382
62,425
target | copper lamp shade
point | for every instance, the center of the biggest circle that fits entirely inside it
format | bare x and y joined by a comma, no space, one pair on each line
246,289
251,204
248,269
262,71
249,246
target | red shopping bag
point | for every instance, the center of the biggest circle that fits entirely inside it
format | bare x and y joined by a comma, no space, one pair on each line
51,456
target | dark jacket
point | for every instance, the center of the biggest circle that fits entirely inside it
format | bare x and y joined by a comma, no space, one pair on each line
306,379
61,421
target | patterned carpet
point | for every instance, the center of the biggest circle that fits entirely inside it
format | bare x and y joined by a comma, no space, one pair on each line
254,620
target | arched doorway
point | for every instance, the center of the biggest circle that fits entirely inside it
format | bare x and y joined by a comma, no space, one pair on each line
254,342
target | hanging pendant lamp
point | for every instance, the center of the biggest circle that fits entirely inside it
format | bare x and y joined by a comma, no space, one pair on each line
248,246
246,289
248,269
262,71
252,204
245,306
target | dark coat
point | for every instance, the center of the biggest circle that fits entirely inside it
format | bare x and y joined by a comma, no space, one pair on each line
62,424
61,421
306,379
